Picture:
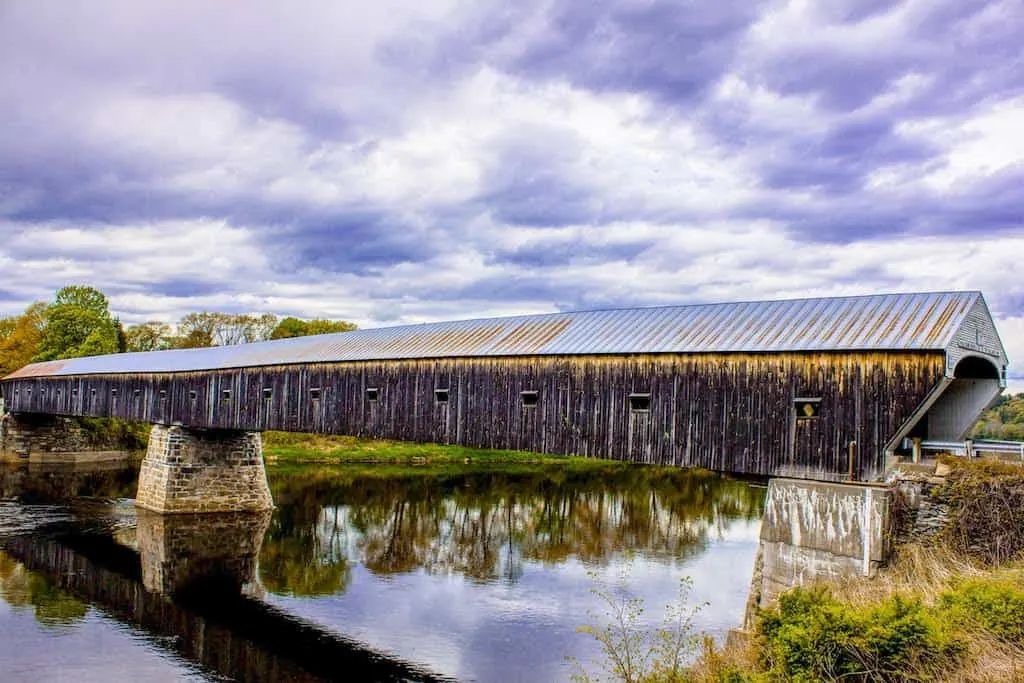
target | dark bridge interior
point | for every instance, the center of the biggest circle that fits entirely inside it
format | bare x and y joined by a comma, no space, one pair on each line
974,367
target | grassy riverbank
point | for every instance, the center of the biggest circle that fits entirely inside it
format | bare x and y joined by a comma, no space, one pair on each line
949,607
933,615
287,448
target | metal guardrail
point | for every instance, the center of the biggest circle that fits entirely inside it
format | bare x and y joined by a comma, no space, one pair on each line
969,448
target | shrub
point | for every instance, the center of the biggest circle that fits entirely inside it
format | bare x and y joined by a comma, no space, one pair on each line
994,605
108,432
986,510
632,652
811,636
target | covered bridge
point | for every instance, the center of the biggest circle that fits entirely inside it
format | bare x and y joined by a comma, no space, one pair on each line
768,388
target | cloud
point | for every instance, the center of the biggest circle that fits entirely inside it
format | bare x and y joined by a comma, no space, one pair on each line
404,162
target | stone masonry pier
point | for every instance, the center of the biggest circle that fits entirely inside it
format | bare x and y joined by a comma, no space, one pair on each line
203,470
179,552
52,438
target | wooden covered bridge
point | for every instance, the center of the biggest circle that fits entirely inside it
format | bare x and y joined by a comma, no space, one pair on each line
767,388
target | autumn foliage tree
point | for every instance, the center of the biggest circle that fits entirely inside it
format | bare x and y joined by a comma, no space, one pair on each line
19,337
78,323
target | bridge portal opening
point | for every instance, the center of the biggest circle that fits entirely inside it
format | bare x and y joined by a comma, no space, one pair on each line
951,416
974,367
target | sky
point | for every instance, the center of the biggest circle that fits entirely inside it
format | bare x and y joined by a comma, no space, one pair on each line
402,161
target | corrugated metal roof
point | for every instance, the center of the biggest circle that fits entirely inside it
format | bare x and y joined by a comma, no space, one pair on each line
878,322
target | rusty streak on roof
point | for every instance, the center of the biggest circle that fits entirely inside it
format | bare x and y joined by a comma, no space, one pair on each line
924,321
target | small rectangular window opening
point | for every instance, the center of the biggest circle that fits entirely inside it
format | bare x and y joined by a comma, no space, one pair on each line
15,392
113,392
314,394
373,395
163,394
29,391
74,392
58,393
268,393
441,395
192,394
639,403
225,395
92,392
529,399
807,408
137,392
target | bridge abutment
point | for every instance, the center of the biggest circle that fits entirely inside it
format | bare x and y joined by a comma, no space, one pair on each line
52,438
203,470
814,530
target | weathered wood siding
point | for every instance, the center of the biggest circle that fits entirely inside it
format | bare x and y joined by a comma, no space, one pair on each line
727,412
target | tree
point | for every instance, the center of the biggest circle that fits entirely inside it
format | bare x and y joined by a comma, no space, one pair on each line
78,323
289,327
320,326
20,336
294,327
1005,420
195,331
7,326
263,326
83,297
150,336
208,328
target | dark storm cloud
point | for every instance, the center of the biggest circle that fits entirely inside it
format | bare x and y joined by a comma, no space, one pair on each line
552,254
981,208
184,288
837,161
535,181
111,201
852,11
959,57
843,82
358,242
966,48
670,49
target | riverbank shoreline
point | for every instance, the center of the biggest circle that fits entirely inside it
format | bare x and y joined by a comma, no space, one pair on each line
949,605
281,448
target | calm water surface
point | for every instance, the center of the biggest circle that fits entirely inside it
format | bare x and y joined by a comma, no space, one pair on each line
359,574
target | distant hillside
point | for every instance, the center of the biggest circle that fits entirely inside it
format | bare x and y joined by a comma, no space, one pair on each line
1004,421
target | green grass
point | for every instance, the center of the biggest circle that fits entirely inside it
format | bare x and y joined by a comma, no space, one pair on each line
287,448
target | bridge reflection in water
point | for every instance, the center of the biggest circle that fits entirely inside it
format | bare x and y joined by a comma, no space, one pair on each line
183,589
391,540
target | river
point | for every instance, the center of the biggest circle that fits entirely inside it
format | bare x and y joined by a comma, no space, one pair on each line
360,573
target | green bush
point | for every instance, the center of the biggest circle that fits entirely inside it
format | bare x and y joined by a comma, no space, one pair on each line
109,432
994,605
811,636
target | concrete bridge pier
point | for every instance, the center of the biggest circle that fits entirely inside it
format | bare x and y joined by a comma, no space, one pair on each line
203,470
815,530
